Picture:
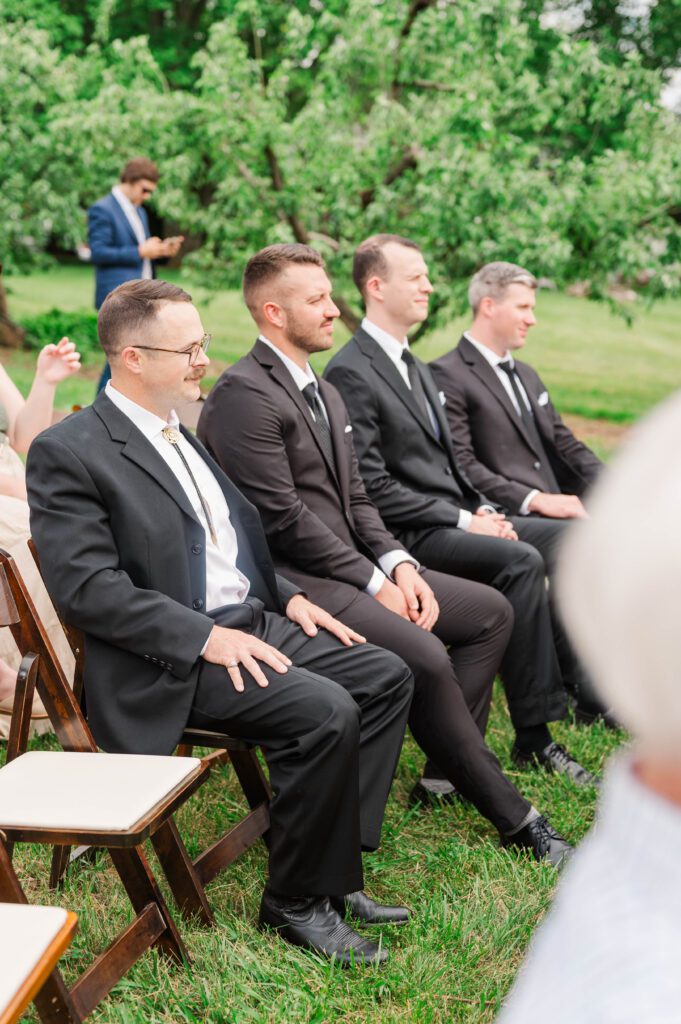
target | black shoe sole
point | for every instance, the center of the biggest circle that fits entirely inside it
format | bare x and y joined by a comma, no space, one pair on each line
584,717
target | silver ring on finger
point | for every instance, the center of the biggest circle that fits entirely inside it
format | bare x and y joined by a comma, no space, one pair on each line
232,664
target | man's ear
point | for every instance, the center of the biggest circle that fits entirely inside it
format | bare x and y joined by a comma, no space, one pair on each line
487,306
373,289
273,314
130,359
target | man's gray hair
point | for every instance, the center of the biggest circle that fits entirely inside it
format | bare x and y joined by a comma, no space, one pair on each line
620,587
494,279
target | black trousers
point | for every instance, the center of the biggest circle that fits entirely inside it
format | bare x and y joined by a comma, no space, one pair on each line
332,729
453,688
531,669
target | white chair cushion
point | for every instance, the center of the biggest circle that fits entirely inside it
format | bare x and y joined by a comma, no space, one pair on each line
25,935
88,791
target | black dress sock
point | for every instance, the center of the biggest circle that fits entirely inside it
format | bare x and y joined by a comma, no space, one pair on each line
533,738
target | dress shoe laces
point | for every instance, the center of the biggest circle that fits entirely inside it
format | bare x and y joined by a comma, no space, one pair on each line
543,834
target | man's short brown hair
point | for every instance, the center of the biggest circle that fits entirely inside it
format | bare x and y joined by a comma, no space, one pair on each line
140,167
369,259
272,261
131,307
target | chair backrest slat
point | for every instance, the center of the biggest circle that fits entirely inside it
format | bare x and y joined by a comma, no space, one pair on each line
31,636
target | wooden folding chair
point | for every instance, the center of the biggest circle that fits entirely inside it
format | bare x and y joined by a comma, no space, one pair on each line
252,779
113,801
32,940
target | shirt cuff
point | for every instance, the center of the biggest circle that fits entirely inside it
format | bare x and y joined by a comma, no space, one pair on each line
465,519
392,559
375,583
525,507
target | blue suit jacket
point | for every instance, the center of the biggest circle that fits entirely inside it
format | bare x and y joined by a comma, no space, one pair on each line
114,246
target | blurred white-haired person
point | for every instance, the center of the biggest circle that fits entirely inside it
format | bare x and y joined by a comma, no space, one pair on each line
610,948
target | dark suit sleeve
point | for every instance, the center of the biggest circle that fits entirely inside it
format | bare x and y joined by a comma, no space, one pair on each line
400,506
507,492
286,589
101,242
578,455
80,565
244,431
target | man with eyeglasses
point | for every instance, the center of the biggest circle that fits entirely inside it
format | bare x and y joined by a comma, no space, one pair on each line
150,550
118,234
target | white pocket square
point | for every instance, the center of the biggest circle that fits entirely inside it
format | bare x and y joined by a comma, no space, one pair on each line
441,396
348,428
543,398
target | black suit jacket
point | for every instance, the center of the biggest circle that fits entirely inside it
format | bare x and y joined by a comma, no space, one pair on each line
410,473
324,532
490,440
123,558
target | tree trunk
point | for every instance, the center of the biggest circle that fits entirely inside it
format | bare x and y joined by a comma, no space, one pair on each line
11,335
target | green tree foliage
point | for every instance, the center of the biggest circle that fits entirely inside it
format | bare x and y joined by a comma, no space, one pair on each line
462,123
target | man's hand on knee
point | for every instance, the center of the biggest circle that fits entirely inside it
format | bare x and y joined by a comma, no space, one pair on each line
233,647
310,616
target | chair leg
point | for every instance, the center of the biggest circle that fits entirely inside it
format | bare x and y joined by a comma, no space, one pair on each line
53,1002
253,780
178,868
142,889
20,722
185,750
60,862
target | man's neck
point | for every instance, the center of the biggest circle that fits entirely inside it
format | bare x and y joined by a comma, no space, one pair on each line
124,188
381,318
297,355
159,407
482,333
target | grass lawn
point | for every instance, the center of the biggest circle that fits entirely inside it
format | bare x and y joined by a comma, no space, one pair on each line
475,906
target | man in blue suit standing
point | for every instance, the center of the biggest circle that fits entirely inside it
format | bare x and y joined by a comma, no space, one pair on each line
118,234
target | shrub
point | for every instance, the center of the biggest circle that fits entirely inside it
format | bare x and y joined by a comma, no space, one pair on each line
47,328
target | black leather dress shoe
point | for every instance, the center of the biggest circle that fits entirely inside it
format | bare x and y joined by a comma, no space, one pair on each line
542,840
585,715
311,922
555,758
433,793
364,909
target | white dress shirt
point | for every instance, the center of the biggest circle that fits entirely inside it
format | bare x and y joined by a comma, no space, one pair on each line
493,359
135,221
301,379
608,950
225,584
394,349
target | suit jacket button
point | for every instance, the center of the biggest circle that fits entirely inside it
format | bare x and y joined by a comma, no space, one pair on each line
537,465
197,604
448,471
197,549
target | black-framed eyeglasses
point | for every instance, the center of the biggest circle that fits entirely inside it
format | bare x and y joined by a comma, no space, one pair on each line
192,352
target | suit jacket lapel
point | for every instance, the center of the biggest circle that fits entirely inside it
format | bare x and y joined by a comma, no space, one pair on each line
278,371
482,369
119,213
140,451
391,375
337,427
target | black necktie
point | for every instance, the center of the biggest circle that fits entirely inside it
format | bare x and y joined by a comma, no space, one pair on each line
312,398
418,391
527,417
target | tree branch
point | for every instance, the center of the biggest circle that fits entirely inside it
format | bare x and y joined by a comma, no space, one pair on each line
407,162
348,315
299,232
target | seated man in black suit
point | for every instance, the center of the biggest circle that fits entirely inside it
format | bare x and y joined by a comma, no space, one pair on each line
506,433
149,549
284,437
412,475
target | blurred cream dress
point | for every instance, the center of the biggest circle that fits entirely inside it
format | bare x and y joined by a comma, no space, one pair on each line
14,533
